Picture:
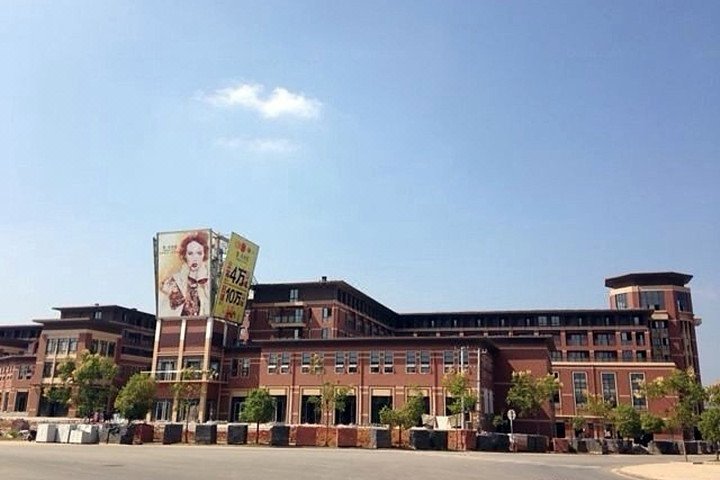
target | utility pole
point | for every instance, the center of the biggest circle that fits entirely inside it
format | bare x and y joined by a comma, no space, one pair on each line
462,398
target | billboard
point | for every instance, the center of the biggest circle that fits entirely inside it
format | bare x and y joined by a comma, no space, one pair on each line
182,273
235,279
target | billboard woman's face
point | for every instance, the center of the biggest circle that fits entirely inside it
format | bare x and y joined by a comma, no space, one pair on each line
194,255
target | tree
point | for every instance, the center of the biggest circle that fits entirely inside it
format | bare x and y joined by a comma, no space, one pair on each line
185,392
650,423
682,384
600,408
135,399
333,396
406,416
709,424
458,386
259,407
529,394
86,384
578,423
626,420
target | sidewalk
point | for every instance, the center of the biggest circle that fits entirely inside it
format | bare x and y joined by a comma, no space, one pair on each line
673,471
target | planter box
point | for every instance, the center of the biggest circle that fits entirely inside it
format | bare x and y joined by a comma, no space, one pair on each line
346,436
206,434
237,434
172,433
663,447
380,438
420,439
144,432
46,433
461,440
279,435
438,439
492,442
306,435
561,445
84,434
537,443
618,446
521,442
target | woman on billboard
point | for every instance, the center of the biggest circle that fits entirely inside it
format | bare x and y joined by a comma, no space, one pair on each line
186,292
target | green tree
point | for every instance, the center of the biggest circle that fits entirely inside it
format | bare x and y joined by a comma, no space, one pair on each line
578,423
651,423
85,383
596,406
627,421
709,423
406,416
333,396
689,394
186,391
529,394
259,407
458,386
135,399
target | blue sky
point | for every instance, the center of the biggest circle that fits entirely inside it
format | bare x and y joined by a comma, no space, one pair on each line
437,155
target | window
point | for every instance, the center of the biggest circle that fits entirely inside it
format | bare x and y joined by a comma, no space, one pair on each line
410,361
684,304
245,368
98,315
448,361
72,345
62,346
580,388
578,356
51,346
555,320
576,339
626,338
605,356
374,361
325,333
640,339
604,339
636,382
111,349
193,363
654,300
424,361
556,356
556,395
326,311
627,355
285,362
25,372
294,294
621,301
339,362
305,362
609,388
165,369
542,321
272,362
388,362
234,370
352,362
48,370
641,355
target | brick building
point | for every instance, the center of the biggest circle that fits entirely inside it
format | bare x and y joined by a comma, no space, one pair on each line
30,355
380,353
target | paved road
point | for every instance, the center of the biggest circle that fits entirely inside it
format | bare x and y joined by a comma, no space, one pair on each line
20,460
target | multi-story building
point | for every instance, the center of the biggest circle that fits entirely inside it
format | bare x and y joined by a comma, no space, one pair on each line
606,352
29,370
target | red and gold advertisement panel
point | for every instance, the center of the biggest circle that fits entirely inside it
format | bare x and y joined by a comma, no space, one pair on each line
235,280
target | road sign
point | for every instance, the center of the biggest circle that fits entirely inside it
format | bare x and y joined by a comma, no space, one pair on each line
511,415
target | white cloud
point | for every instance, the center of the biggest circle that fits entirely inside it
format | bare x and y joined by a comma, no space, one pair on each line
258,145
280,102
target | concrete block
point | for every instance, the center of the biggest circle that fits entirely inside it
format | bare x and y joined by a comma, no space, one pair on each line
206,434
380,438
420,439
46,433
172,433
280,435
63,432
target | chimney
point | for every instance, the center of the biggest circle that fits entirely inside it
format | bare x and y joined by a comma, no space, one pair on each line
323,279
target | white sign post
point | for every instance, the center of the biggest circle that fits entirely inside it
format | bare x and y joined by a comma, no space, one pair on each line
511,415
